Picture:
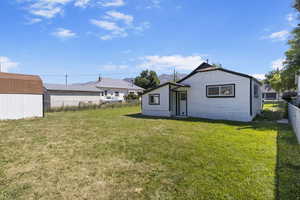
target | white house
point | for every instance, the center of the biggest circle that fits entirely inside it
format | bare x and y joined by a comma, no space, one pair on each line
96,92
21,96
207,92
269,94
115,89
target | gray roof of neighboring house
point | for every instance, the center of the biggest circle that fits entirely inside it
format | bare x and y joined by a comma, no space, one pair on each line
112,83
71,87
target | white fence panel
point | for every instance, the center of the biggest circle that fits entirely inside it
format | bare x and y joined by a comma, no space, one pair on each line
294,117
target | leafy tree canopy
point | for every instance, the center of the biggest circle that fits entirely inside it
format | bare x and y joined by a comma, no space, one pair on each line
291,64
147,79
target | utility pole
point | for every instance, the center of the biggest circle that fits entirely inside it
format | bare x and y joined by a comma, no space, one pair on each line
66,77
174,76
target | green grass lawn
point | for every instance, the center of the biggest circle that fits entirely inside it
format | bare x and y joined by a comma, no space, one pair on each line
118,154
273,111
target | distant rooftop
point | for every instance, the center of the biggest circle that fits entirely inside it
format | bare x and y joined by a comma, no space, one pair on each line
112,83
63,87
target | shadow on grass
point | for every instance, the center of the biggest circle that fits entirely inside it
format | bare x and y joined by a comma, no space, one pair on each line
266,125
288,164
287,175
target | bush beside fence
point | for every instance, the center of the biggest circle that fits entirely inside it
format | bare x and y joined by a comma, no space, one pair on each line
294,118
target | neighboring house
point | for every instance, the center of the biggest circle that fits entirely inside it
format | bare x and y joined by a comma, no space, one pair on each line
103,90
21,96
60,95
269,94
207,92
114,88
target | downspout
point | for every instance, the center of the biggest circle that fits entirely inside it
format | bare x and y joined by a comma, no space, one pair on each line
251,112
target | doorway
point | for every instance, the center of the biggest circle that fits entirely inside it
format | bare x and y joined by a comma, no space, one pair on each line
181,103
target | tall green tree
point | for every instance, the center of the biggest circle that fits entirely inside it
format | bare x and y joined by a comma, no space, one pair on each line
147,79
297,5
274,79
292,63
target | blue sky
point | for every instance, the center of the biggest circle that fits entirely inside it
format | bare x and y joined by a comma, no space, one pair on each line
119,38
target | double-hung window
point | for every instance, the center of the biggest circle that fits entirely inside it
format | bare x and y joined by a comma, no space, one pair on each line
154,99
227,90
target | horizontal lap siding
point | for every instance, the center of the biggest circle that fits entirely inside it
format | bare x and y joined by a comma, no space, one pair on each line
157,110
294,118
18,106
199,105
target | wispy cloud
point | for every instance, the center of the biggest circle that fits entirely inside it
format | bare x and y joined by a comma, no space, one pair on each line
118,25
113,29
179,62
7,64
259,76
154,4
114,15
82,3
278,36
63,33
33,21
112,67
278,64
47,8
112,3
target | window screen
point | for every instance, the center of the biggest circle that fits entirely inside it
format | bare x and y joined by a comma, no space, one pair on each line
220,90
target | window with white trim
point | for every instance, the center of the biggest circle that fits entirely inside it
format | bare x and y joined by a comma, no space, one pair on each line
227,90
154,99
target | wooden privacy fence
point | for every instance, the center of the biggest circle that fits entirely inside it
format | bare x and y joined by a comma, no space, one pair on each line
294,118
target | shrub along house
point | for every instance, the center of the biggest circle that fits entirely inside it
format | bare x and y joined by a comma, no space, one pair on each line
207,92
21,96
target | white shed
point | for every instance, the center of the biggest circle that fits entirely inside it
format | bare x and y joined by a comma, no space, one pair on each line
21,96
207,92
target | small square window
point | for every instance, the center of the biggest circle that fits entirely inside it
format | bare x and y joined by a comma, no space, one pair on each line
117,94
154,99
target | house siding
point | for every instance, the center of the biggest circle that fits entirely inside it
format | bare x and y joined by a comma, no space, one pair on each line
18,106
236,108
299,85
55,99
157,110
